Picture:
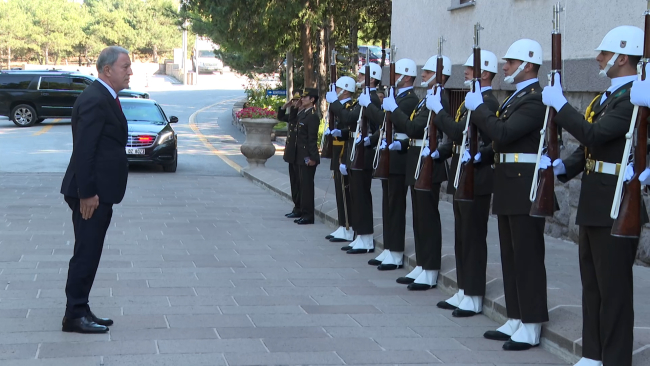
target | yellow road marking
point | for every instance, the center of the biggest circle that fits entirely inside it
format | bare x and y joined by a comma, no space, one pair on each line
208,144
46,128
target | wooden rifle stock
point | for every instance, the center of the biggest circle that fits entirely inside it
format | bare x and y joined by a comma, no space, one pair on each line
360,149
383,166
628,222
424,181
544,203
327,148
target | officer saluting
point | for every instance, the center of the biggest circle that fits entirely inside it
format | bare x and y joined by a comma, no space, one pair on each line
471,217
307,156
605,261
290,150
514,130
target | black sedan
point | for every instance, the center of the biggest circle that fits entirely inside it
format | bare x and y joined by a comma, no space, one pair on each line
151,137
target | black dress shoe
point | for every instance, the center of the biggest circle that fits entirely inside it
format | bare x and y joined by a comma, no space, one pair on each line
389,267
346,248
304,222
328,237
495,335
405,280
420,287
360,251
374,262
292,215
445,305
517,346
100,321
338,240
82,325
460,313
296,220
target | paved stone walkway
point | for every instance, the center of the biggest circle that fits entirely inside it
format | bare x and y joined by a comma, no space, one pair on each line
205,270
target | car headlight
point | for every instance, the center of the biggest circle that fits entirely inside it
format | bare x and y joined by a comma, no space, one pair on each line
165,136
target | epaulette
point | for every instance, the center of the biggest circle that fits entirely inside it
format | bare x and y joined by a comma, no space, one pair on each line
589,113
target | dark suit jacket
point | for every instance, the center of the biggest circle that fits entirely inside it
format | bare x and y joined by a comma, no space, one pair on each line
307,137
602,140
453,128
406,103
346,120
514,130
98,165
292,122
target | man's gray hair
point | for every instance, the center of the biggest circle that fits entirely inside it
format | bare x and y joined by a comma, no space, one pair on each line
108,56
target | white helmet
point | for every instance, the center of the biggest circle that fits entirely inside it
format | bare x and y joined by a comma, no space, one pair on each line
624,40
432,63
525,50
488,60
375,71
406,67
346,83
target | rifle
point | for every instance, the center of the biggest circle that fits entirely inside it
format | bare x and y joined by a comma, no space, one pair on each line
542,190
626,208
464,181
382,158
326,143
358,154
424,172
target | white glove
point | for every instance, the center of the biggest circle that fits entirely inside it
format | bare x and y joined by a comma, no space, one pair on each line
433,102
640,92
395,146
544,162
357,140
644,177
331,97
477,157
327,131
366,141
473,99
383,145
343,169
389,104
364,98
629,172
435,154
425,151
466,157
430,91
558,167
336,133
552,95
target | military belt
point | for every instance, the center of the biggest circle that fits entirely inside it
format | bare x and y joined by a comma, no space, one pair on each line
596,166
416,142
515,158
400,136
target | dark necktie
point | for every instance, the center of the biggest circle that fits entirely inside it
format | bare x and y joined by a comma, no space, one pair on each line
117,99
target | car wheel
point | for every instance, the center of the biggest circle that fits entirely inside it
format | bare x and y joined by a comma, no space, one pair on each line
171,168
23,115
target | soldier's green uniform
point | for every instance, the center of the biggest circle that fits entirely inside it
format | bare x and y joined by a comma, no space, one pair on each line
290,156
307,149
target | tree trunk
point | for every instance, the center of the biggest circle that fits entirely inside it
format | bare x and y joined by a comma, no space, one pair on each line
307,55
155,53
8,58
322,69
354,38
289,75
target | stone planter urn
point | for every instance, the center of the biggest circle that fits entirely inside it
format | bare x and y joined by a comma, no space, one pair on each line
258,147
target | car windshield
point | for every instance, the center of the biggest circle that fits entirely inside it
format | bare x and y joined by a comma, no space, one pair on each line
206,53
141,112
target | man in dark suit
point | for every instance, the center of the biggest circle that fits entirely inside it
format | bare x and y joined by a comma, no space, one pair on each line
514,130
307,156
470,217
290,150
94,181
605,261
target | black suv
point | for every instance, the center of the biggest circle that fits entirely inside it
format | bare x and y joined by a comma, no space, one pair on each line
29,97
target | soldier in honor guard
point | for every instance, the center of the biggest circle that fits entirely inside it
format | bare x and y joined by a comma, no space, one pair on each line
290,150
426,216
394,189
514,130
605,261
340,99
470,217
307,155
361,180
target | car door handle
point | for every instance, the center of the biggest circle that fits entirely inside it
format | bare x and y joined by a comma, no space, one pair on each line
45,94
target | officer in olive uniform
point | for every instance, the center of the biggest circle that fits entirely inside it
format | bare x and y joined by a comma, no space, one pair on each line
471,218
290,150
605,261
342,107
426,217
361,180
307,156
394,189
514,131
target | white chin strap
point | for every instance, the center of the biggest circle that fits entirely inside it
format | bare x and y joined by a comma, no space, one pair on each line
399,80
511,79
340,93
360,85
425,84
609,65
468,83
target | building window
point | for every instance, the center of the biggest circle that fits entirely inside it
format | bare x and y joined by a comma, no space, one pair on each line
459,4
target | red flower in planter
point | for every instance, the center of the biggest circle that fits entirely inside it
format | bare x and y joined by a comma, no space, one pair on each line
255,112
